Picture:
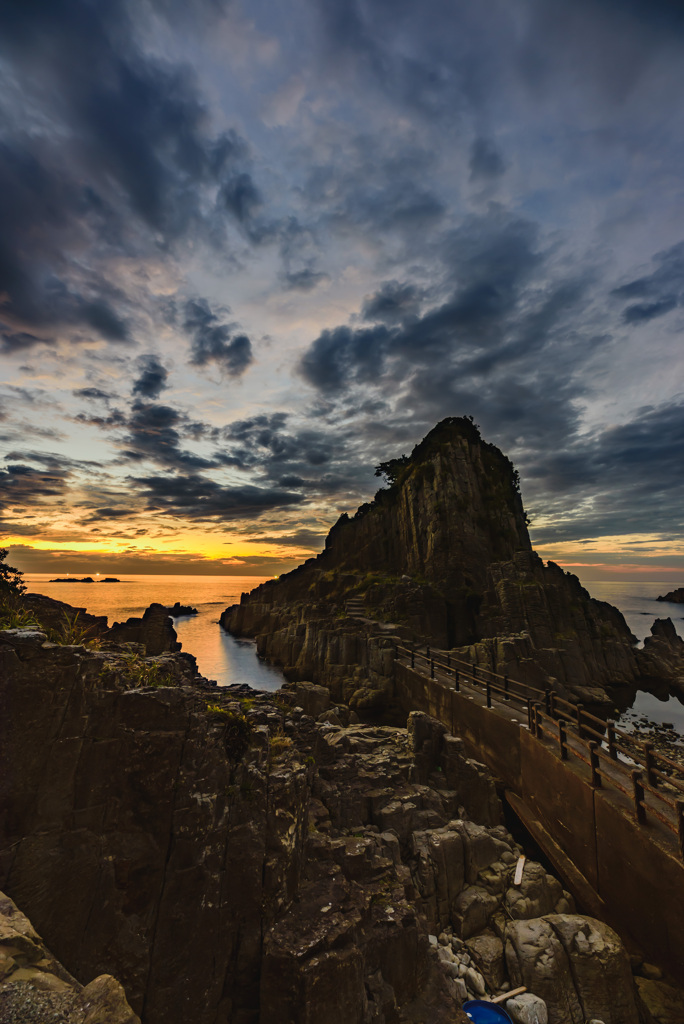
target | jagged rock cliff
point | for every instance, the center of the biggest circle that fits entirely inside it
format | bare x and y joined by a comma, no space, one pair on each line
232,860
443,556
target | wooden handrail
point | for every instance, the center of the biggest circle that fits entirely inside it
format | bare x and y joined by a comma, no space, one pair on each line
544,707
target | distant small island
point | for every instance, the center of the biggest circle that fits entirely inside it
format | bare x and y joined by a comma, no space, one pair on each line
674,597
86,579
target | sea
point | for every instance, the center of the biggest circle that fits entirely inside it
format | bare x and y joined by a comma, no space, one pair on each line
229,660
219,655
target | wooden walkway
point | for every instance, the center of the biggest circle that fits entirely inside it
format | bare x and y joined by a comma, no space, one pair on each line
633,773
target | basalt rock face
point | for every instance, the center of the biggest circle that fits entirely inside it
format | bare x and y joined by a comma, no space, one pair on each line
443,556
234,861
163,835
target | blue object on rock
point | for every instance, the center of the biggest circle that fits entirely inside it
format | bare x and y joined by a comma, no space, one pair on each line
482,1012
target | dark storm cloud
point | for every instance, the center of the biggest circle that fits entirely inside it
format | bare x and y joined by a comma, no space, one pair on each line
96,394
659,292
299,252
486,162
381,190
201,498
129,166
265,443
344,356
492,259
310,539
632,471
22,485
152,379
155,433
325,459
423,60
240,196
100,515
304,280
392,302
216,342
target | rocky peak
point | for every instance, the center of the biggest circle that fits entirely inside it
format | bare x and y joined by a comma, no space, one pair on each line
451,509
441,556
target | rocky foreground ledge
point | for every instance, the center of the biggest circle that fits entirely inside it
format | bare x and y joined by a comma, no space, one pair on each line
235,857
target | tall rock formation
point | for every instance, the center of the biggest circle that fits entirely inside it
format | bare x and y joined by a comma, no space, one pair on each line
442,556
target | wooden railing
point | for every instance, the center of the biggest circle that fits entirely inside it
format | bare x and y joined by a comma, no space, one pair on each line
614,757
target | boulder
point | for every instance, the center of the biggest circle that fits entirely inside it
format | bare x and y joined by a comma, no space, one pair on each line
600,966
104,1001
313,698
472,910
659,1002
537,895
577,965
535,957
487,951
527,1008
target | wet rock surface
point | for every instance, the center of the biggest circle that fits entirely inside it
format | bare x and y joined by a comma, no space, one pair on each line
230,859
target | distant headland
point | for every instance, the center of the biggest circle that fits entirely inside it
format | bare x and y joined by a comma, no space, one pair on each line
85,579
674,597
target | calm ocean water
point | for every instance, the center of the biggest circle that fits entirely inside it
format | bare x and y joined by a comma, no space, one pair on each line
221,657
636,599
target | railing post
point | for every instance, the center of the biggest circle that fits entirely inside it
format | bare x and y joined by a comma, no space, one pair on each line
562,740
413,657
457,685
680,826
432,668
537,720
489,693
638,789
547,700
648,758
505,687
530,714
427,656
578,710
611,740
594,763
552,704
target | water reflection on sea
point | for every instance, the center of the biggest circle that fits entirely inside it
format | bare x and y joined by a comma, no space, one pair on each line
636,599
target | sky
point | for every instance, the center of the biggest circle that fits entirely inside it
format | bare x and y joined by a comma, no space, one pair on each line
248,250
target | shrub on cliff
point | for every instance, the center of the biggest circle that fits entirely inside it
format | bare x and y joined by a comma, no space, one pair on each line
11,582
